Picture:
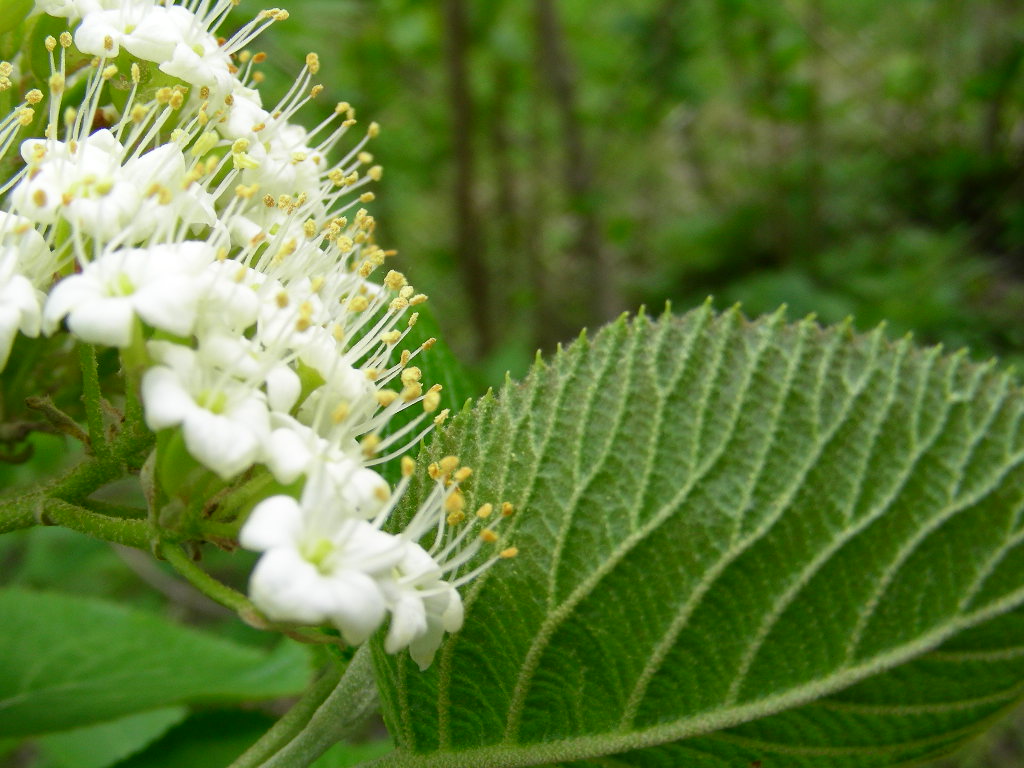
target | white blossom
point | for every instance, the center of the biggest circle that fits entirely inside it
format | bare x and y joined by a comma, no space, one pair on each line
225,421
319,564
156,284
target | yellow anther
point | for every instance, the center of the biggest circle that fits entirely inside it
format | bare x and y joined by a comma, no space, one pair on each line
507,510
391,337
204,144
365,158
428,344
395,280
367,197
485,511
373,131
455,502
411,375
51,43
268,200
358,304
456,517
386,397
312,62
448,464
408,465
281,299
431,401
340,412
441,418
34,96
406,357
109,72
371,374
315,91
39,198
259,58
488,536
65,39
309,228
376,173
462,474
139,113
412,392
419,298
108,43
508,553
247,192
369,445
136,73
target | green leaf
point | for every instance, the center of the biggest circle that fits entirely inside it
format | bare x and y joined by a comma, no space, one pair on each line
97,746
739,542
206,740
344,755
12,13
71,661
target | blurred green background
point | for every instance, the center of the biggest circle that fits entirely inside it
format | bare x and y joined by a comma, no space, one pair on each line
552,163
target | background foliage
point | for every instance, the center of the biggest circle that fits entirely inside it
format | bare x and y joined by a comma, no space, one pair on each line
550,163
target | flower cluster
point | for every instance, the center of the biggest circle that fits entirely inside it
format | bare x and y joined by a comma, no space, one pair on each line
162,209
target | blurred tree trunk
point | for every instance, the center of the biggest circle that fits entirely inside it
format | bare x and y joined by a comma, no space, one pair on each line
468,250
590,257
510,266
814,128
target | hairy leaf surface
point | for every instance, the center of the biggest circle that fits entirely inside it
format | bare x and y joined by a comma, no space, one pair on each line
739,541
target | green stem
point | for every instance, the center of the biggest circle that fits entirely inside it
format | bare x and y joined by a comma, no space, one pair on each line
345,709
131,533
203,581
77,483
133,414
293,721
236,601
92,397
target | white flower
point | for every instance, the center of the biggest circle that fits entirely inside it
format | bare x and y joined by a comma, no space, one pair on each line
103,31
103,192
157,284
319,565
423,606
225,422
19,311
73,10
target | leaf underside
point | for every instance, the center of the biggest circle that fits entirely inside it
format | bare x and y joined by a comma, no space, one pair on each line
739,542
